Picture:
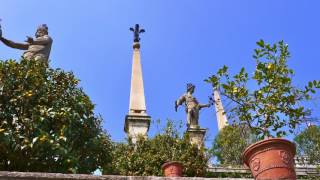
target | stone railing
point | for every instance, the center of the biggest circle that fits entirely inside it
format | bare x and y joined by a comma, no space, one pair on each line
300,171
5,175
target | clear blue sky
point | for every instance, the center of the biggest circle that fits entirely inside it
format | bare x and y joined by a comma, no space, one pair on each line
185,41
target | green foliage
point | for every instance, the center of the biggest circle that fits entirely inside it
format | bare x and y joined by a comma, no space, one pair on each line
47,121
146,157
230,143
274,103
308,144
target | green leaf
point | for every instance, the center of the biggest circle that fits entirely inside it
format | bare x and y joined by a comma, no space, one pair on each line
260,43
310,85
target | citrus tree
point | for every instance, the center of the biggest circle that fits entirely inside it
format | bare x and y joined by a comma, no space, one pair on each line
146,157
47,122
272,106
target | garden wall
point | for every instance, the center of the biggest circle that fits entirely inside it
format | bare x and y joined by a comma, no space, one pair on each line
4,175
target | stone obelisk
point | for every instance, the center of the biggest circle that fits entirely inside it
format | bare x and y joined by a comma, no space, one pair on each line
137,121
220,113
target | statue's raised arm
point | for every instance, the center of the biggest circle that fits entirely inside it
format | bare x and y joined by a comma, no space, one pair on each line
21,46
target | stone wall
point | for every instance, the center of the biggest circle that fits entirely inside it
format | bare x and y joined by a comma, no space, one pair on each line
4,175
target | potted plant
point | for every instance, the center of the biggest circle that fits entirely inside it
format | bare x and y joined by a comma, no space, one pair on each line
172,167
270,108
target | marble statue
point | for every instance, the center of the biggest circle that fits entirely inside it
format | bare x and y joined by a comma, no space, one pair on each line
38,48
192,106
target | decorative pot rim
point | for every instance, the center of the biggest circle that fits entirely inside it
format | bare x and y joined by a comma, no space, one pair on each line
171,163
275,141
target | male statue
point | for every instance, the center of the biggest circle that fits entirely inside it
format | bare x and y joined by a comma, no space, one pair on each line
38,48
192,106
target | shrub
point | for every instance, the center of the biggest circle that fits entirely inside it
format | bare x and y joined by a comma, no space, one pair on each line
146,157
47,121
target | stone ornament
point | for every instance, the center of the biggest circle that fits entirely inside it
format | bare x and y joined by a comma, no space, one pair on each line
285,157
255,164
136,33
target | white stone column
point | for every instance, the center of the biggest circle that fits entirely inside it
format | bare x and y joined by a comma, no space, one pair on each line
222,120
137,122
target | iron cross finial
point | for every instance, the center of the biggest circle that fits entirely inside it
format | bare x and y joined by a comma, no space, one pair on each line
136,32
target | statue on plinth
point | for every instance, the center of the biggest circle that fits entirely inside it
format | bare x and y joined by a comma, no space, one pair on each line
38,48
192,106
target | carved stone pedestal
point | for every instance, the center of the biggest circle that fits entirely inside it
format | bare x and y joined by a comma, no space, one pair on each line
137,125
196,136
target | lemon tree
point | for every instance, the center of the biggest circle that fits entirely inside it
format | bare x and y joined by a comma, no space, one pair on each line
266,101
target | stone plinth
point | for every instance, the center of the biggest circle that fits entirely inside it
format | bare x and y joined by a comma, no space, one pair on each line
196,136
137,125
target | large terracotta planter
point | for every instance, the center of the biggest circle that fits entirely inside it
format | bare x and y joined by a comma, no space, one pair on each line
172,169
271,159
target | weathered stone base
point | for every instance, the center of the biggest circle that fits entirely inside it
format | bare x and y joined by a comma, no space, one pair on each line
196,136
303,173
4,175
137,125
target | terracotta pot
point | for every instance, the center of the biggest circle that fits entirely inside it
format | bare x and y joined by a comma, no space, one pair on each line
271,159
172,169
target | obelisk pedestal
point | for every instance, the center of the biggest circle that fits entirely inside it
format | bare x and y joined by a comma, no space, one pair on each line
137,126
196,136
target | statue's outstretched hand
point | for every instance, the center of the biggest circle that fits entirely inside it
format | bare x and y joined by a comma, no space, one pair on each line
29,40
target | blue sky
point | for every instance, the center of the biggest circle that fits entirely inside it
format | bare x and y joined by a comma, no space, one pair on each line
185,41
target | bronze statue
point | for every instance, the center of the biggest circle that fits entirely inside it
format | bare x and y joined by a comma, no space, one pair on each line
38,48
192,106
136,32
